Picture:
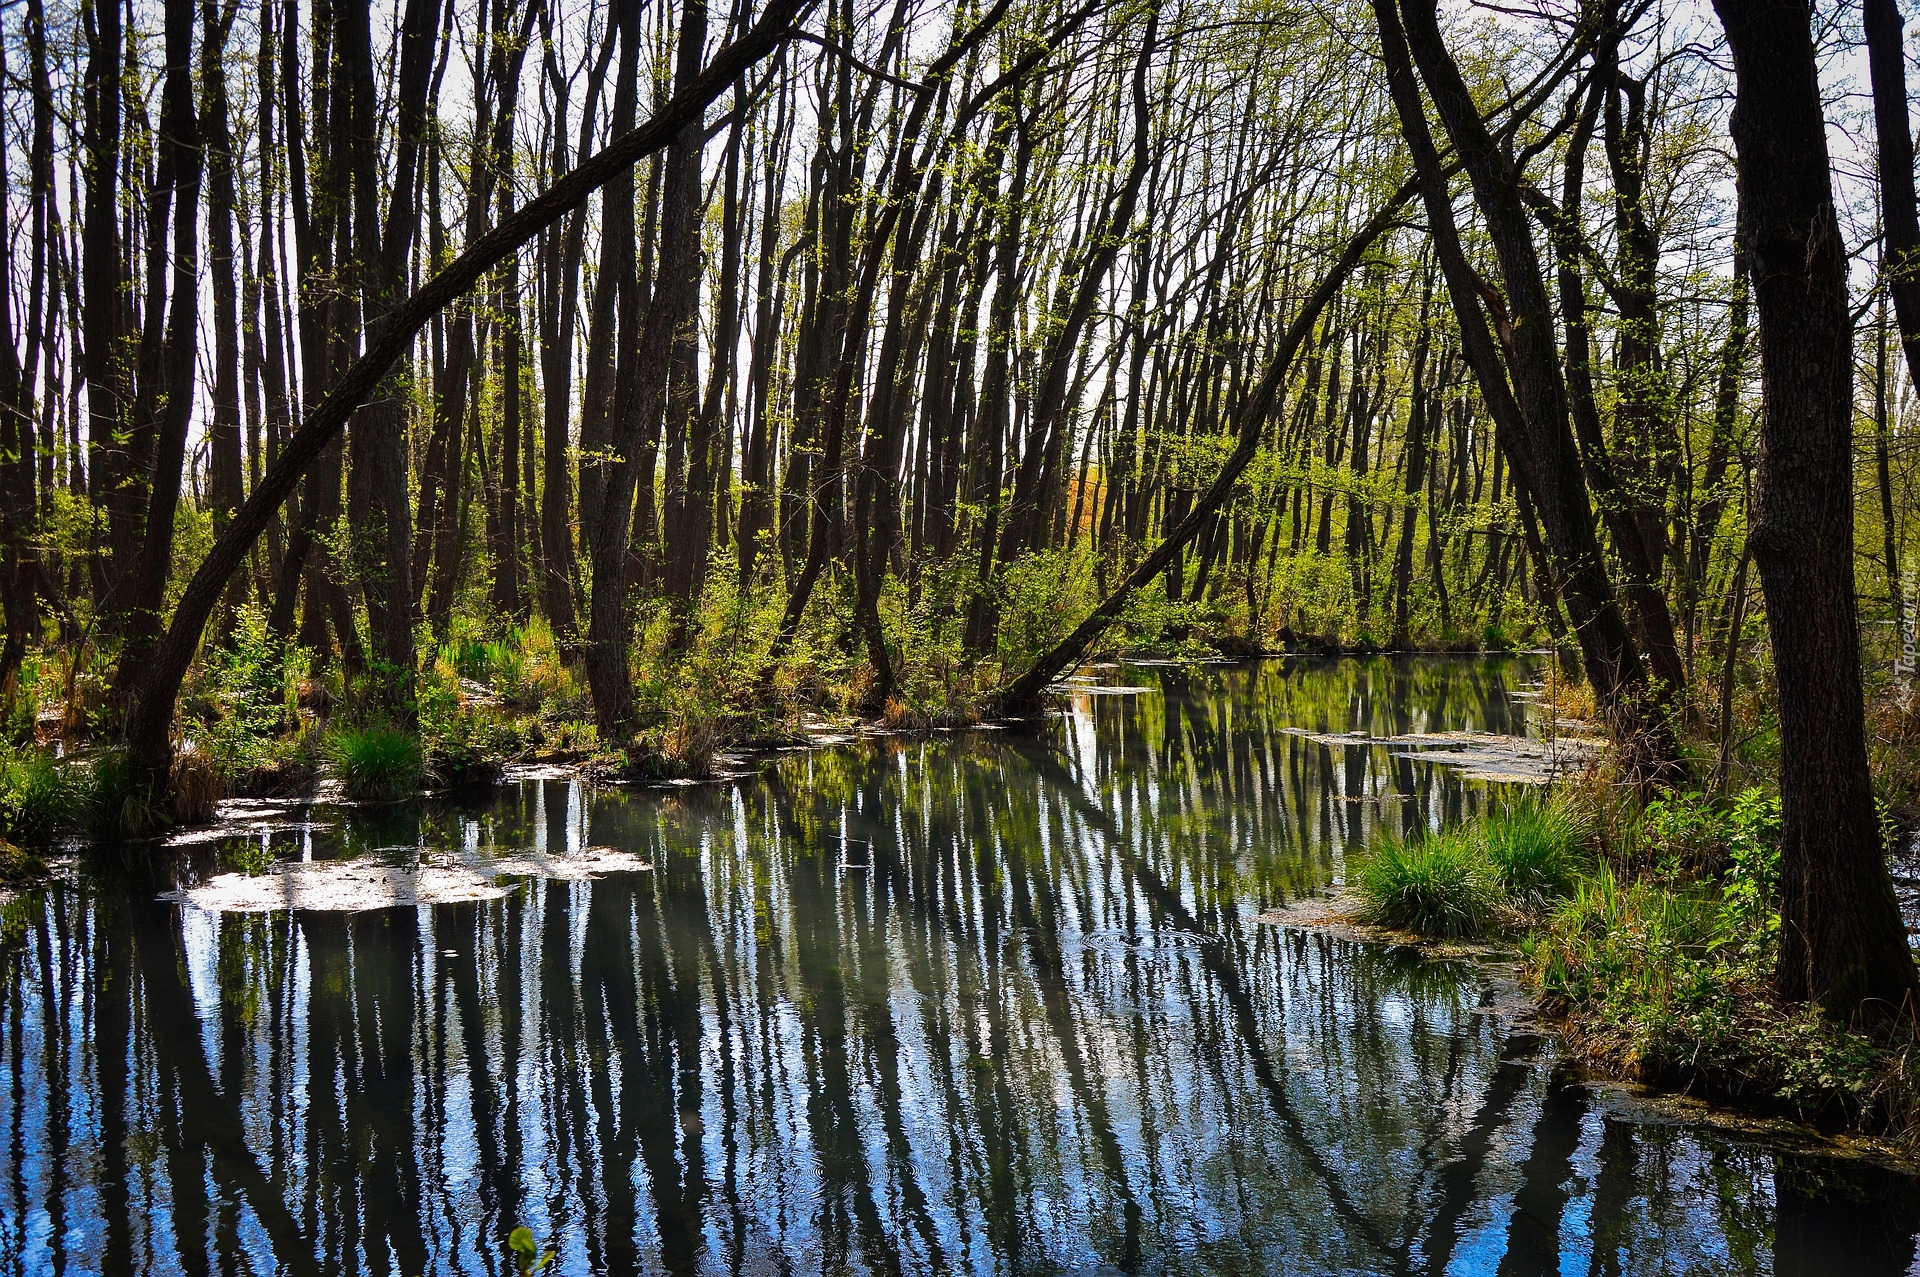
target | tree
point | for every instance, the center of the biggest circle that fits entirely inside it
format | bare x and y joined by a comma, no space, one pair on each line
1842,942
147,725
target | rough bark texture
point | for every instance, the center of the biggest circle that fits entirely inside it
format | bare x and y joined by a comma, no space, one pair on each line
1842,943
1899,219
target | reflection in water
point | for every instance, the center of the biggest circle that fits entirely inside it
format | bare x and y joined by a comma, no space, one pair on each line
973,1004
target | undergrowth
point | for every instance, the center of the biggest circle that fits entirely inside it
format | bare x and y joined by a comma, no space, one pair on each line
1651,935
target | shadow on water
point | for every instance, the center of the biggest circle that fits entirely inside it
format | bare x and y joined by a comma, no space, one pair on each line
973,1004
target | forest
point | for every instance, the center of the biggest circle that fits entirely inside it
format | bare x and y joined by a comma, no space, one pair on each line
393,393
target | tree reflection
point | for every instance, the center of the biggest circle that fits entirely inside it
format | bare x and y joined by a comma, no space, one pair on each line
965,1004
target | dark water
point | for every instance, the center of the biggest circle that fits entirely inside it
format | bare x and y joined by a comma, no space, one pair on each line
974,1004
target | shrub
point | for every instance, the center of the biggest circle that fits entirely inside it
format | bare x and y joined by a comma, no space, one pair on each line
1689,834
1041,597
375,763
1436,886
120,803
40,796
470,746
271,767
1671,985
195,786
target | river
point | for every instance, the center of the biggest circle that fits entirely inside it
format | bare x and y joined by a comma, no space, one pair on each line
973,1003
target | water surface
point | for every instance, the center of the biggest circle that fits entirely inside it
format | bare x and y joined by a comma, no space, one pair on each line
976,1004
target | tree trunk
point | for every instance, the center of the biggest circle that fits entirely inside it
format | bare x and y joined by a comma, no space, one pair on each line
377,505
1531,415
173,403
1899,219
1842,942
147,726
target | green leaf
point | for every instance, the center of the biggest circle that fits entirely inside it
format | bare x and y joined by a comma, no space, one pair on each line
520,1241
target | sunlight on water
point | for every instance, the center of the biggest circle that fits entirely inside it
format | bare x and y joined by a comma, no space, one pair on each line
989,1003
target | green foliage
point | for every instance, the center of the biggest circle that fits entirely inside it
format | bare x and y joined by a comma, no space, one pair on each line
1435,886
527,1255
470,745
375,763
1689,833
1041,598
1153,622
41,680
120,802
1536,850
1672,985
41,796
521,666
1619,939
1750,888
245,700
1667,977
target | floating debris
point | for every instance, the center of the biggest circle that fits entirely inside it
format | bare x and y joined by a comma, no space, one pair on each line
1514,760
1489,756
1082,686
352,886
1333,738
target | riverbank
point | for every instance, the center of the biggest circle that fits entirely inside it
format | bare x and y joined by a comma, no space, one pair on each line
259,721
1646,937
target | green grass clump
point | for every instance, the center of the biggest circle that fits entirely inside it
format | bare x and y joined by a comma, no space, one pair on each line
1469,881
1437,886
1536,850
376,763
41,796
120,803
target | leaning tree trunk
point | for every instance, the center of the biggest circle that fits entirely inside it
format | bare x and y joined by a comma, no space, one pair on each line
1254,413
1842,942
148,724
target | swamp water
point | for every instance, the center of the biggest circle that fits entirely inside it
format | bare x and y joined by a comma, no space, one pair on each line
984,1003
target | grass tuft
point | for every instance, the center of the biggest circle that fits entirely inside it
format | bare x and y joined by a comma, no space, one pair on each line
1437,886
1472,881
1536,850
196,785
41,797
375,763
120,803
